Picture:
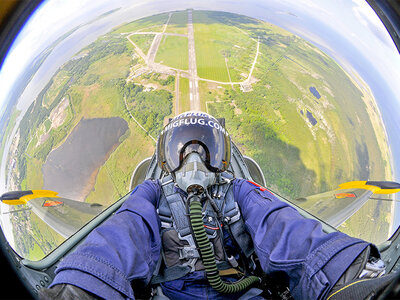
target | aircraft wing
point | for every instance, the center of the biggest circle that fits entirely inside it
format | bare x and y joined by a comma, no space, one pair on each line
335,207
63,215
67,216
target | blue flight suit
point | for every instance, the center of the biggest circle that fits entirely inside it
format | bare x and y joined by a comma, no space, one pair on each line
127,246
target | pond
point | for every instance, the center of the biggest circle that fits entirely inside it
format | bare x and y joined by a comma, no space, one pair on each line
314,91
311,118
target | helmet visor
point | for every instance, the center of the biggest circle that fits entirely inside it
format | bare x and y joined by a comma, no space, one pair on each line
194,134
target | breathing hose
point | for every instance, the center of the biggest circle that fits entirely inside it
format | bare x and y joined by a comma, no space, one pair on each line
228,229
207,254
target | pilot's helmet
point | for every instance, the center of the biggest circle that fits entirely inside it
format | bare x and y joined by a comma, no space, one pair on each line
194,132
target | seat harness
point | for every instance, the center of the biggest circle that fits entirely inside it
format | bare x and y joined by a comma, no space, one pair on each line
220,213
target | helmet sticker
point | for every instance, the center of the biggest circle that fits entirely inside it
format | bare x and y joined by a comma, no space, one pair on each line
194,132
193,121
193,114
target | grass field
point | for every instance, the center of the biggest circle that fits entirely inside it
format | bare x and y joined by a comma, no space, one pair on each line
178,22
286,70
370,222
173,52
184,95
217,42
143,41
110,67
58,82
153,23
270,124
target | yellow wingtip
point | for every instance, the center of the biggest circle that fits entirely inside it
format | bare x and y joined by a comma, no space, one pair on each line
35,194
363,185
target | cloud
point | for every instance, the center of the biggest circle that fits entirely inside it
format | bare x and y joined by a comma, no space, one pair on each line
369,19
48,22
44,24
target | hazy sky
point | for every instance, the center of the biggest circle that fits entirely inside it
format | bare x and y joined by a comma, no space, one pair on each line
361,27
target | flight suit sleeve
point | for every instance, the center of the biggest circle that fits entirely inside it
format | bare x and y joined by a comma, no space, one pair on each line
286,241
124,248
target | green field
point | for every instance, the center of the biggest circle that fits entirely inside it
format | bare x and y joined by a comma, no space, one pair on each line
221,46
178,23
154,23
94,87
268,119
59,82
143,41
184,95
173,52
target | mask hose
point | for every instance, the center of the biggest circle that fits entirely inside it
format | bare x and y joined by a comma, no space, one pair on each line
207,254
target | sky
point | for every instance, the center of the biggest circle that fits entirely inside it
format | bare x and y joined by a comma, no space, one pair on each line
46,25
355,18
363,29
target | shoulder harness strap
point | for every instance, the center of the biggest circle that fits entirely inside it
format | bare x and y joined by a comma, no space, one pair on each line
177,209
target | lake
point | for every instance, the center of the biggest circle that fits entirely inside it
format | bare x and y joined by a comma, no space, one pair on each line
71,169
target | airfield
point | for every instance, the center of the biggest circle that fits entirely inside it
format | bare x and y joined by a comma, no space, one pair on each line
288,105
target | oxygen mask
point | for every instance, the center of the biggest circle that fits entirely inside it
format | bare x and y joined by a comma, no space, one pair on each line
193,176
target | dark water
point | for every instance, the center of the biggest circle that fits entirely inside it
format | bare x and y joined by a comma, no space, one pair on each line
71,169
311,118
314,91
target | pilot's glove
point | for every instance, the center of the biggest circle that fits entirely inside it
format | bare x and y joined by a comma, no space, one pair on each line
363,279
65,292
375,267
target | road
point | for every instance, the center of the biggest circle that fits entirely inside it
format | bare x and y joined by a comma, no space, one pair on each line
191,74
151,55
177,94
137,49
254,62
136,121
193,78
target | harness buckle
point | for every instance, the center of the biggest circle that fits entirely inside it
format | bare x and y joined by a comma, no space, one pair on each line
191,249
188,252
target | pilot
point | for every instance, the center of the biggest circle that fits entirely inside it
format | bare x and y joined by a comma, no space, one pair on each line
196,231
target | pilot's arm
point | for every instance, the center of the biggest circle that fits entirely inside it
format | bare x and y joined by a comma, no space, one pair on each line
125,248
286,241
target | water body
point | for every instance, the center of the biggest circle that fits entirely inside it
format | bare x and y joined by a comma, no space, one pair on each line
72,168
311,118
314,91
